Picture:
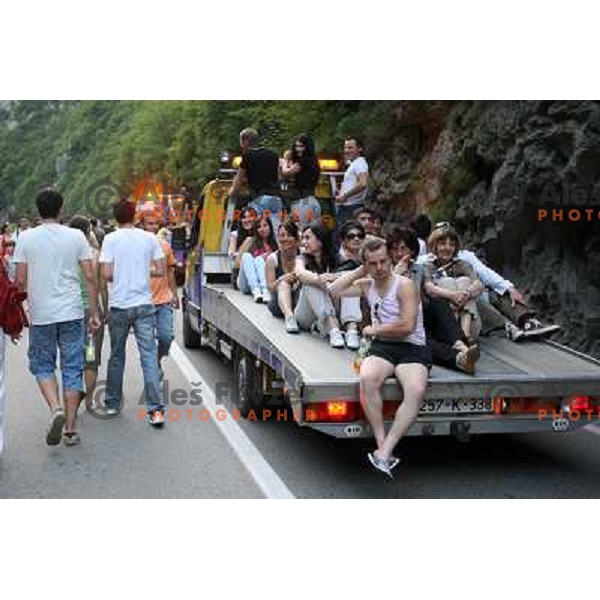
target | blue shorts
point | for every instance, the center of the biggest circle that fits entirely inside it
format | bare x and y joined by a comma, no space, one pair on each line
45,341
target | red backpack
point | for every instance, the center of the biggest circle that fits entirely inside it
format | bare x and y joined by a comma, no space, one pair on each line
12,316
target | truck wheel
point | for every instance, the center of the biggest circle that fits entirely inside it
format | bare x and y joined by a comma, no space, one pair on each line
191,338
247,392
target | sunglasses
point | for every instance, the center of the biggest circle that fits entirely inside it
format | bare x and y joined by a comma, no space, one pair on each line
355,236
376,311
443,225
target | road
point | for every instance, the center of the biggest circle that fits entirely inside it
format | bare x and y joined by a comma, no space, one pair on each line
191,458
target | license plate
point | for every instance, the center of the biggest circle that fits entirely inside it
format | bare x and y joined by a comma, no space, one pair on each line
457,406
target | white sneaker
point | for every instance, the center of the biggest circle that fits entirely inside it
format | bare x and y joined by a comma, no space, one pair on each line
291,325
266,296
256,294
336,339
352,339
513,333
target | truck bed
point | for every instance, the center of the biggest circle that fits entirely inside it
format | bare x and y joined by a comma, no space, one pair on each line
527,369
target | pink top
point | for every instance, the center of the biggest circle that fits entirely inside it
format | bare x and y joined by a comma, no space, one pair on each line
264,251
389,310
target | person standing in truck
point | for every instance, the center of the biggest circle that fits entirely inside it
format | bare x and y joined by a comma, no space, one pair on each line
259,169
398,346
353,192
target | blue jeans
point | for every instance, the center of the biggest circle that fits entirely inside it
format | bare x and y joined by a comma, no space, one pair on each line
252,273
164,329
66,337
309,210
270,203
143,320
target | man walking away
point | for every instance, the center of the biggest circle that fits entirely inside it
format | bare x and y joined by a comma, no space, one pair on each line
164,291
129,257
49,259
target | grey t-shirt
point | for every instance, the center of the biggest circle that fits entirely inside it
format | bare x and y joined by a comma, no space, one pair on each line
52,253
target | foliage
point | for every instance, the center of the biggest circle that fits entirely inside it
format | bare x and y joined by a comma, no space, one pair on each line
73,144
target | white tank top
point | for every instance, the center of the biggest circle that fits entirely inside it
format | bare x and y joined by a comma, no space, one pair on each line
389,310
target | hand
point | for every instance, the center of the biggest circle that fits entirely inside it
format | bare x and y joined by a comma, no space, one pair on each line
460,298
340,198
368,331
15,338
94,323
516,297
175,302
289,278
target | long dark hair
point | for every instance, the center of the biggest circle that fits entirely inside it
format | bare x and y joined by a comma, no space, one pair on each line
258,241
309,153
328,257
242,234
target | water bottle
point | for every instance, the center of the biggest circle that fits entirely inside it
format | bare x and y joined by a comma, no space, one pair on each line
360,355
90,349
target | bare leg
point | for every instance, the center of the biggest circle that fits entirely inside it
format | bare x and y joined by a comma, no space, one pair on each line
331,323
90,377
49,389
72,401
413,379
284,299
373,373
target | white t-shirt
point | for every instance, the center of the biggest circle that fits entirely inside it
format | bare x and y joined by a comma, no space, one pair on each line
52,253
355,168
131,251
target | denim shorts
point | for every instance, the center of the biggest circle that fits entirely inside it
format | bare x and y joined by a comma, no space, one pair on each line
45,341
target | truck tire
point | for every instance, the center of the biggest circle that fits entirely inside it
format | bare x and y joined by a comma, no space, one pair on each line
247,389
191,338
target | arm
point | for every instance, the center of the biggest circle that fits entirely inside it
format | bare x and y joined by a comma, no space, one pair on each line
488,277
21,280
157,268
238,181
306,276
173,286
107,272
409,300
270,274
91,278
348,284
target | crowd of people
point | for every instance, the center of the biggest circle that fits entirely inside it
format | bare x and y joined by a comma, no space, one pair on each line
406,298
80,279
413,293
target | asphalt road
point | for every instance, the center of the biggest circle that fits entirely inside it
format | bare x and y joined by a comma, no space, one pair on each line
125,458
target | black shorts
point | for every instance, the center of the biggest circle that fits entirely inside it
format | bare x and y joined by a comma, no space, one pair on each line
400,353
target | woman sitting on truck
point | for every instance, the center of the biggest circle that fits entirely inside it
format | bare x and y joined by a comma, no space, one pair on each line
352,236
301,172
454,279
446,339
282,282
315,270
252,254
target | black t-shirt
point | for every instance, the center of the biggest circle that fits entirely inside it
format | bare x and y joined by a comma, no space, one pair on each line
262,170
306,180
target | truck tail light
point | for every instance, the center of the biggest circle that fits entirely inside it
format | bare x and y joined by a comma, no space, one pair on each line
334,410
580,403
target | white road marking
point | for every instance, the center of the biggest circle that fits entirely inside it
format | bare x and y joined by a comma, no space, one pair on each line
260,470
593,429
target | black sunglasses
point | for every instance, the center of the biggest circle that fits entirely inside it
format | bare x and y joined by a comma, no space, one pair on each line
355,236
376,311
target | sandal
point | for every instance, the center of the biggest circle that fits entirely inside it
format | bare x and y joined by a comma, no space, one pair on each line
55,428
71,438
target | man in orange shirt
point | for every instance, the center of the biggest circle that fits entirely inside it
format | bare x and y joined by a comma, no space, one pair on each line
164,290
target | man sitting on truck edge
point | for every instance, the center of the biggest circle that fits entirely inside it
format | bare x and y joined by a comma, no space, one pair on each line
260,170
398,346
520,321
